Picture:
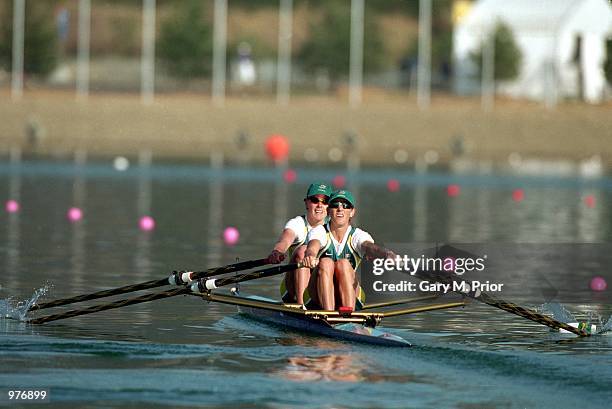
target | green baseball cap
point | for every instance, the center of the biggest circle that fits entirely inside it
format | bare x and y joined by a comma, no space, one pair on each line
343,194
318,189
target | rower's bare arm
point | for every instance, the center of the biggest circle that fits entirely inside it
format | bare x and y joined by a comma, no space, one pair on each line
310,257
277,254
373,250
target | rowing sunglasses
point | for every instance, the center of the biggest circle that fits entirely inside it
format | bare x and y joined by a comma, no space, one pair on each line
337,204
317,200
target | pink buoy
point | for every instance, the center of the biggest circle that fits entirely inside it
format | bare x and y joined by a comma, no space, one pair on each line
74,214
146,223
518,195
231,235
290,176
598,284
393,185
589,201
339,181
12,206
453,190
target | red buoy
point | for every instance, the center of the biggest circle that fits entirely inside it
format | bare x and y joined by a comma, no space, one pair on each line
277,147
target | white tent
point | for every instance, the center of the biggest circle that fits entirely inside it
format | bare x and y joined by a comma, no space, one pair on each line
562,44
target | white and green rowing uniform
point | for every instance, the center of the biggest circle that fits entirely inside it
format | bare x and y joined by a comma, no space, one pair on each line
300,226
349,248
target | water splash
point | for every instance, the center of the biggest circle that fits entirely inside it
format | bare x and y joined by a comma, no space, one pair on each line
17,310
559,312
607,326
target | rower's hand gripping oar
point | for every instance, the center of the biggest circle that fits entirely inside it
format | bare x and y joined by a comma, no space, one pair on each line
177,278
267,272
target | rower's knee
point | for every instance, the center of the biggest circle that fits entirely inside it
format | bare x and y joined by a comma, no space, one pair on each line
298,254
344,270
326,268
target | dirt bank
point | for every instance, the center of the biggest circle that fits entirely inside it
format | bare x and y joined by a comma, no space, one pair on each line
190,126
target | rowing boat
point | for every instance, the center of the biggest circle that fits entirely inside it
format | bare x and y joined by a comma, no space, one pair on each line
346,331
359,326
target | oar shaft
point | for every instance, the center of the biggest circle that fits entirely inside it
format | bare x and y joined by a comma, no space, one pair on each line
422,308
529,314
503,305
110,306
211,272
100,294
268,272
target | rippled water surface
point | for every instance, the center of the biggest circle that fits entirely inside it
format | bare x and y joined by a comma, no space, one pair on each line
183,351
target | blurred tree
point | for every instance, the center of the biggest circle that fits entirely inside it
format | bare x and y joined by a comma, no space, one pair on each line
40,39
507,54
441,42
608,63
185,42
328,45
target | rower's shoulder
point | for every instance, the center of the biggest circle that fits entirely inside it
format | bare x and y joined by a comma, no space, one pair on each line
300,219
361,234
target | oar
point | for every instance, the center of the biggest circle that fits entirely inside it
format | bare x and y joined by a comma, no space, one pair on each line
204,284
177,278
501,304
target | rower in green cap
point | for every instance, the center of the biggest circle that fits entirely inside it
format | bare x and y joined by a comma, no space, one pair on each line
293,240
334,251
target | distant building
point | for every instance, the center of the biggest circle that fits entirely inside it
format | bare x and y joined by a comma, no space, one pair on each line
563,43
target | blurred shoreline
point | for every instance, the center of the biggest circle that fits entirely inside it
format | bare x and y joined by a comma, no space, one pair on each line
388,129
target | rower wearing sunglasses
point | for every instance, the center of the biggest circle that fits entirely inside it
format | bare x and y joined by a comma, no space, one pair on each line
335,249
293,240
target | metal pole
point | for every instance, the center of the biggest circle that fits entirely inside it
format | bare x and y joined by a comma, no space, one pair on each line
356,58
18,40
147,62
82,78
285,34
219,52
488,71
424,69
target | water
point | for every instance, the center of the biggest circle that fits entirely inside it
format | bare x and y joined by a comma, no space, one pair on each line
185,352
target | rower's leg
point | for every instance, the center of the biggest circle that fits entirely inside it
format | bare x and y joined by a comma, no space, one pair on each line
325,283
301,275
289,297
345,277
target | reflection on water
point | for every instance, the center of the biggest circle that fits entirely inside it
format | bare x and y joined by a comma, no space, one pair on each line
13,228
338,368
